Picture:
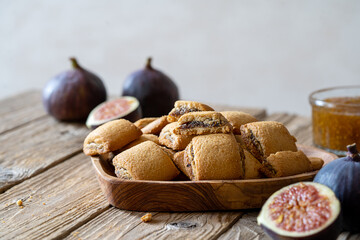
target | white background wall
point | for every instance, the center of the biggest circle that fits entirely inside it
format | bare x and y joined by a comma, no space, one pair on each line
262,53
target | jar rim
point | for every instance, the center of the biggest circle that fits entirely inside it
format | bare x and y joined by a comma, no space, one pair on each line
320,102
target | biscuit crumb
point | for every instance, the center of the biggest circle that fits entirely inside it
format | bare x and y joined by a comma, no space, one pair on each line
147,217
19,202
44,203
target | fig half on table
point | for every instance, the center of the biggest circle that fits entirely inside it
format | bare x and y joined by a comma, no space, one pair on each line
124,107
302,211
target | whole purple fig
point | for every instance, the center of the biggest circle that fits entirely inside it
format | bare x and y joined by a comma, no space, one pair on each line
155,91
71,95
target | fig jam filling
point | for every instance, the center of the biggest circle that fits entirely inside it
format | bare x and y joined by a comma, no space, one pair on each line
112,109
300,208
182,110
194,124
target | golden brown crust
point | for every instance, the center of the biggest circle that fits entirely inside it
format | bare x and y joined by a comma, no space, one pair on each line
264,138
286,163
214,157
141,123
155,126
316,163
238,118
198,123
182,107
141,139
252,166
110,136
171,140
183,164
145,161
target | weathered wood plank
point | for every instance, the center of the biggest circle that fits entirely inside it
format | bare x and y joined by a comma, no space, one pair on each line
31,149
118,224
54,202
246,228
20,109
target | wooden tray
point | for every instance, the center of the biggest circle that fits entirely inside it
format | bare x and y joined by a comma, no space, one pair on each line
195,196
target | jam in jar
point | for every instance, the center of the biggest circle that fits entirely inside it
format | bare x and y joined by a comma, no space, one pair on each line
336,118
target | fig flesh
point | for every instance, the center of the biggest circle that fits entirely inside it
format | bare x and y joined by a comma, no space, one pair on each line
124,107
343,177
156,92
302,211
71,95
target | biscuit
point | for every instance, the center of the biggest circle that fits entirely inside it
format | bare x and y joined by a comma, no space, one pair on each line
141,123
213,157
198,123
171,140
182,107
237,118
183,164
141,139
286,163
264,138
316,163
110,136
252,166
145,161
156,126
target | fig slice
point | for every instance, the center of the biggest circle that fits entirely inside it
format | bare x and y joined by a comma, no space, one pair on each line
126,107
301,211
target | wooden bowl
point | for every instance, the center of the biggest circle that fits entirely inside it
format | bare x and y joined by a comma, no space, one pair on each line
195,195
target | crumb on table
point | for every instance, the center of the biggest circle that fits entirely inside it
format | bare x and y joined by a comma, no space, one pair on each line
146,218
19,202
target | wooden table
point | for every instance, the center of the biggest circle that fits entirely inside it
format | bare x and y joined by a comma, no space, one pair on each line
41,163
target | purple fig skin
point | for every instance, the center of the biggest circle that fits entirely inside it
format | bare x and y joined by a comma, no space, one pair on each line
155,91
329,233
71,95
343,177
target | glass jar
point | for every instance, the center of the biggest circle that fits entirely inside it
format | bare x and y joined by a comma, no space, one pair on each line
336,118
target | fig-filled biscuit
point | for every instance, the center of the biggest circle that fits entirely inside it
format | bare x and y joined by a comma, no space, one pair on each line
182,107
141,139
286,163
171,140
155,126
237,118
145,161
141,123
252,166
264,138
197,123
110,136
213,157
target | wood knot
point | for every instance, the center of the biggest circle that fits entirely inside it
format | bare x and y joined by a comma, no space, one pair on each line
182,225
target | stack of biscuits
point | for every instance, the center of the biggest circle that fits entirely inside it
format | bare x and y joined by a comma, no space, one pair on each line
195,141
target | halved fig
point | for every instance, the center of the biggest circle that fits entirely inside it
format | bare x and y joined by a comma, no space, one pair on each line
124,107
302,211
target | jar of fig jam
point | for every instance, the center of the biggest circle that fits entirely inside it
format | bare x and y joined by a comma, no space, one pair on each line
336,118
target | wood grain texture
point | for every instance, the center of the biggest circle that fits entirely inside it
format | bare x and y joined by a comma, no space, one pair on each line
118,224
20,109
246,228
54,202
31,149
195,195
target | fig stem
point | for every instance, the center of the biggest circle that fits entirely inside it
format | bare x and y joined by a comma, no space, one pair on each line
353,152
74,63
148,63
